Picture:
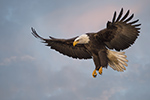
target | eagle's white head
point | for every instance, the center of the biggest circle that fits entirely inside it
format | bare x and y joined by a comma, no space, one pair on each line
83,39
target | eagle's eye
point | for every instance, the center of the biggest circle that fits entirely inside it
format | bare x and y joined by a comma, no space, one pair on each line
78,40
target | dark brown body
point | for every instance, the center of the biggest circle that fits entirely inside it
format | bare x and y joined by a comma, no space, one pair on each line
98,51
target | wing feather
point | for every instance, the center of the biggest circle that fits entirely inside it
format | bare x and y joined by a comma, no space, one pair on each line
120,14
134,22
120,34
65,46
125,16
113,20
129,18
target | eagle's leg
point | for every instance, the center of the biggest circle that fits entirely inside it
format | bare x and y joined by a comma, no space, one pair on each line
103,60
94,74
100,70
97,64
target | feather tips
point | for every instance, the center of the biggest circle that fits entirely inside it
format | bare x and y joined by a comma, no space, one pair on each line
123,18
120,14
117,60
114,17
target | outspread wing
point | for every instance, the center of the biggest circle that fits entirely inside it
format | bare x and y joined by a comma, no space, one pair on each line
65,46
120,33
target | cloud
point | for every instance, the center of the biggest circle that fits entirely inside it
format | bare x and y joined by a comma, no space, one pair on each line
27,57
8,60
107,94
12,59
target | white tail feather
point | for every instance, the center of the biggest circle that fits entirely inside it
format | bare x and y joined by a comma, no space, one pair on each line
122,62
117,60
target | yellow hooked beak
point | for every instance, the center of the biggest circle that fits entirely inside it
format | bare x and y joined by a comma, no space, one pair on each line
75,42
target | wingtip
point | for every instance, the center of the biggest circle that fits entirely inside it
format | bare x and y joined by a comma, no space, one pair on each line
34,33
133,22
121,10
125,16
52,37
120,15
33,30
114,17
128,19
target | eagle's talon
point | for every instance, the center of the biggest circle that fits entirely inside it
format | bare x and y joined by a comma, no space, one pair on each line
94,74
100,70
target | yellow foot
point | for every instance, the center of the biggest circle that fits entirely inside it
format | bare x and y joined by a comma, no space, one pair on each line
94,74
100,70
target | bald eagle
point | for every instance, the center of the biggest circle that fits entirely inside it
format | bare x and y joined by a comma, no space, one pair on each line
118,35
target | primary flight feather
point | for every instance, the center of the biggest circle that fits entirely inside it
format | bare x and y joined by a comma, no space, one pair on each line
118,34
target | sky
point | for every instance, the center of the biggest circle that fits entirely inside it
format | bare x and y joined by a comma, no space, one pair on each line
31,71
